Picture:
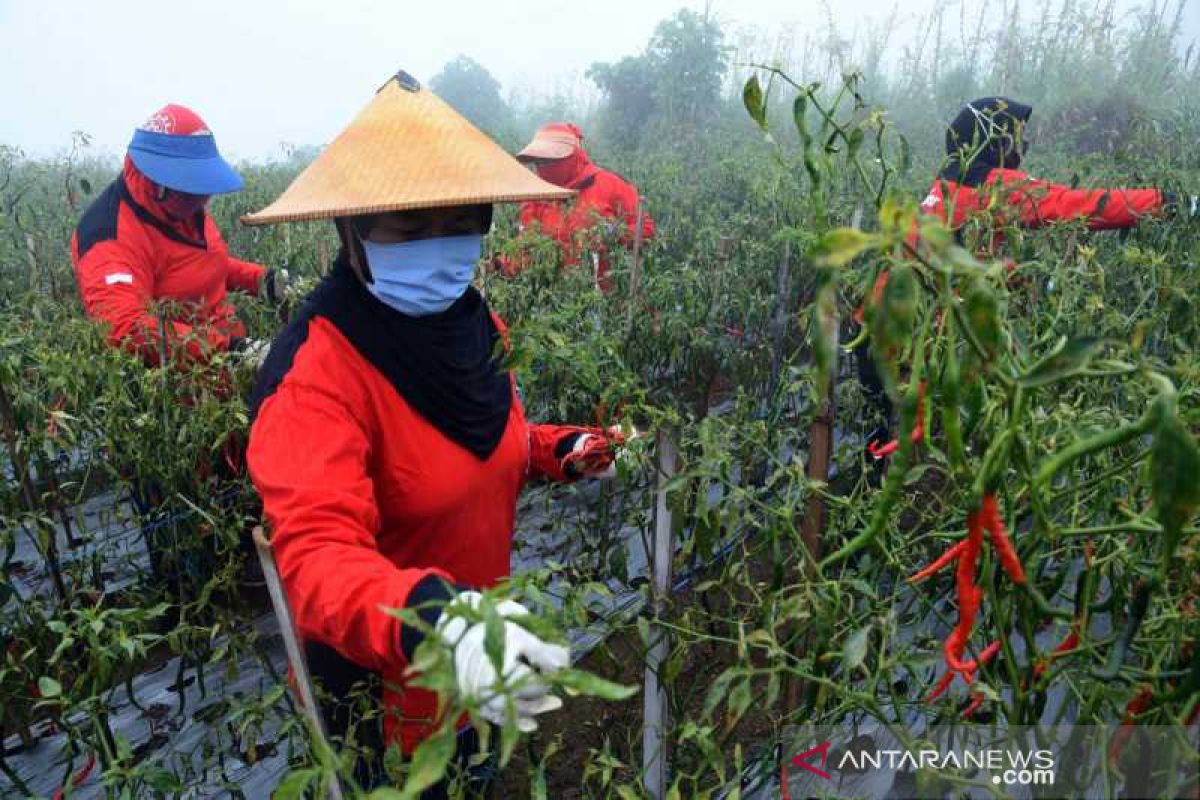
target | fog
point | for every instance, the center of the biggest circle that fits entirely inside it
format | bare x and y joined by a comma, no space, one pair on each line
264,73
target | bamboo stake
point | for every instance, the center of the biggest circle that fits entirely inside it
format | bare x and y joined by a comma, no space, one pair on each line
656,720
291,643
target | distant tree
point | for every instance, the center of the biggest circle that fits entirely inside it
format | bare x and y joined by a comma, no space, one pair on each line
677,80
630,96
690,59
467,85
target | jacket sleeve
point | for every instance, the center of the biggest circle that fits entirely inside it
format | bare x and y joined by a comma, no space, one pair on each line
323,521
245,276
622,203
117,288
548,444
1042,202
543,218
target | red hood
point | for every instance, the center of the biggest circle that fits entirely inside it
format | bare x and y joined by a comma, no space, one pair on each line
143,190
568,172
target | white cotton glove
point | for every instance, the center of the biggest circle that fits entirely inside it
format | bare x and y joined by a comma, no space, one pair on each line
526,657
253,352
277,286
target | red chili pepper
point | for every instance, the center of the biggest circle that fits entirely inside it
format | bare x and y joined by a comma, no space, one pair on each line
956,643
1069,643
942,561
947,678
883,450
79,777
976,701
918,431
940,688
989,652
999,536
969,595
1139,703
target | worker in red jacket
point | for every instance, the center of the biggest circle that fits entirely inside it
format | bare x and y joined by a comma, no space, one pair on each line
982,182
148,237
388,444
982,178
603,213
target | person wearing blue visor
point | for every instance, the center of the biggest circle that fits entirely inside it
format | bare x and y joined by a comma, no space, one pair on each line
148,237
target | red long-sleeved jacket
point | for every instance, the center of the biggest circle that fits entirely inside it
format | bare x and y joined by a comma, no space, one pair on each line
129,253
1013,195
602,197
365,498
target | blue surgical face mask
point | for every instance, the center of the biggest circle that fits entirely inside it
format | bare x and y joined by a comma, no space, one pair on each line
425,276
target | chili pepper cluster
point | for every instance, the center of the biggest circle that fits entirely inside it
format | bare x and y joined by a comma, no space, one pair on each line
970,594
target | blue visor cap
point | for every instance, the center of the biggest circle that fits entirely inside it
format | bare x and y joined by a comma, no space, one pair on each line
189,164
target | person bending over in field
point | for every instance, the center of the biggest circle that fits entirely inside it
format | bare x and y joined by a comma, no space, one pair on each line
982,180
388,442
603,213
148,237
982,187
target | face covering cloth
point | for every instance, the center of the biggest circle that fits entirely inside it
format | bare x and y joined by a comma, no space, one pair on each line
424,276
444,364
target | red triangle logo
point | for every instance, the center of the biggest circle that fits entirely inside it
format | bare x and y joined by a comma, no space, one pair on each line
800,761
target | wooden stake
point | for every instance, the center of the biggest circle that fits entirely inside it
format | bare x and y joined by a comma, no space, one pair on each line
656,722
295,654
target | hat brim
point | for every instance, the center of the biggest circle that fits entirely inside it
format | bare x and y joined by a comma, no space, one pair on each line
545,150
191,175
406,150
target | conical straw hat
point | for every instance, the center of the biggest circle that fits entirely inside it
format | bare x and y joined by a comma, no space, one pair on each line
407,149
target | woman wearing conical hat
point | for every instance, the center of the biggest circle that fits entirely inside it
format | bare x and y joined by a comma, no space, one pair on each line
387,444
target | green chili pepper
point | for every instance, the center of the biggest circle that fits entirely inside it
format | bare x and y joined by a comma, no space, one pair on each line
892,486
951,421
983,318
1138,607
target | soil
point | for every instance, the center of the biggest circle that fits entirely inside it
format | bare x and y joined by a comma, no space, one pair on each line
587,726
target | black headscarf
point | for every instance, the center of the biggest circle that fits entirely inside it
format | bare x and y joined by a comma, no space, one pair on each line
442,364
983,137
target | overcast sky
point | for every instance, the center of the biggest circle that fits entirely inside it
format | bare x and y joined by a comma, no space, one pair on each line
262,73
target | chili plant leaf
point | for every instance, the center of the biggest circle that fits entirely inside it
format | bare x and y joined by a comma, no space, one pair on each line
1175,469
429,762
48,687
294,785
162,780
799,117
1069,357
905,155
841,246
854,142
752,97
983,316
854,652
493,637
585,683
